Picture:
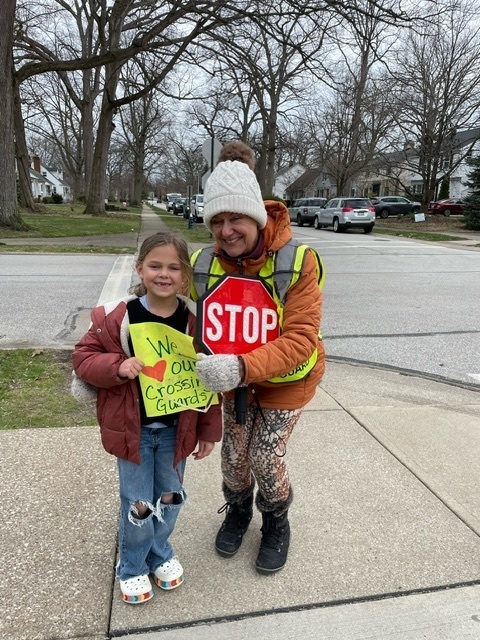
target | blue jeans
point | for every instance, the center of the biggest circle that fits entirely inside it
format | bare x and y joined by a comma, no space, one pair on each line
144,542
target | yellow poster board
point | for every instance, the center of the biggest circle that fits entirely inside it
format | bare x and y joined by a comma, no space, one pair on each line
168,380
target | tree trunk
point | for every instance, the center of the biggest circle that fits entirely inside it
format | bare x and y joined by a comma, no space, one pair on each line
22,155
87,128
270,150
9,215
97,193
138,173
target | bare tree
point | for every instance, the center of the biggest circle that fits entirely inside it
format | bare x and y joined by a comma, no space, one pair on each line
125,28
352,122
436,82
8,192
142,122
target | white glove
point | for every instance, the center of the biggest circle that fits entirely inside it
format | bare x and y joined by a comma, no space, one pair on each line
218,373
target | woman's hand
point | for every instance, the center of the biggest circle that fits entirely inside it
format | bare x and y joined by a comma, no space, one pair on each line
219,373
204,449
130,368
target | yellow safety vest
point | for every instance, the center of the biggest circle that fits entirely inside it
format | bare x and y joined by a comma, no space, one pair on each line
280,272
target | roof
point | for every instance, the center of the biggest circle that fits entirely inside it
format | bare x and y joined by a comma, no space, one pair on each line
464,138
38,176
306,179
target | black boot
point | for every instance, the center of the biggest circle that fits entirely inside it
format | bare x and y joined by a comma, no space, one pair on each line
275,542
230,536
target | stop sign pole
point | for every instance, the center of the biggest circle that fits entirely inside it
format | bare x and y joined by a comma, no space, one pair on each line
236,316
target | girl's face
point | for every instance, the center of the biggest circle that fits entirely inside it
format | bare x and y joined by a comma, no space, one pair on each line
236,234
161,272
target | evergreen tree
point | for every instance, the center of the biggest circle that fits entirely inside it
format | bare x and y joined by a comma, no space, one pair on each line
444,190
472,201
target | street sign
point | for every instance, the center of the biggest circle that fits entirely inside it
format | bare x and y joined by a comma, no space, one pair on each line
211,150
236,316
205,177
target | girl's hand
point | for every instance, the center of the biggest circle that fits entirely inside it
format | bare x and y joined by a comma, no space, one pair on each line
204,449
130,368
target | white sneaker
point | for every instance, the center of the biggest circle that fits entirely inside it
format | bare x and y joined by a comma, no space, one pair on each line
136,590
169,575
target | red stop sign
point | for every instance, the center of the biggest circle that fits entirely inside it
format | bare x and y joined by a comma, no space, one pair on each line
236,316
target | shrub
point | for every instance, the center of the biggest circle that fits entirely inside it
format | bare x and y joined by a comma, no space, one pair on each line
47,200
57,198
444,190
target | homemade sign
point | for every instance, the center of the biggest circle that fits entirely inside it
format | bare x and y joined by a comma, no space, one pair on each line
168,380
236,316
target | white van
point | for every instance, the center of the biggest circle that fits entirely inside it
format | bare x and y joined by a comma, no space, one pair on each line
170,198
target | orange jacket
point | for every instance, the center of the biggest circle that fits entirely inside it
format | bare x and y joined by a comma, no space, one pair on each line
302,315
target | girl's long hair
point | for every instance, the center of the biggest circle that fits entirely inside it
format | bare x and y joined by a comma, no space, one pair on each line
163,239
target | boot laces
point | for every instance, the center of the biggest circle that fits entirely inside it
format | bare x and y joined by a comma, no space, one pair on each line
273,535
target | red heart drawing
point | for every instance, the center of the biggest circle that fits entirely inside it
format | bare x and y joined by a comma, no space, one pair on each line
157,371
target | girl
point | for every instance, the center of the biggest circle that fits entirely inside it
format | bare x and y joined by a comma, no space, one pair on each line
151,451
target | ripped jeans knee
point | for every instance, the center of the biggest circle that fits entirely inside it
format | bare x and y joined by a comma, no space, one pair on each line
141,511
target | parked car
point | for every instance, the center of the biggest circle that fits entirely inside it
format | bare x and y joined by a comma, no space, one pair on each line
303,210
196,206
343,213
394,205
447,207
180,205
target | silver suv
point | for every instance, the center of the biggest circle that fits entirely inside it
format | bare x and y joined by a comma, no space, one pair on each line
343,213
303,211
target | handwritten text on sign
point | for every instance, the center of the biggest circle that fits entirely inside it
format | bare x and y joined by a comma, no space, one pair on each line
168,380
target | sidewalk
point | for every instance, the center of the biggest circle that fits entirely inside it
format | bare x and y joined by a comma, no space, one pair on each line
385,527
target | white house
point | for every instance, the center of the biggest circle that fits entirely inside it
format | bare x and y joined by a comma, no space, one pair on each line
466,142
48,180
284,178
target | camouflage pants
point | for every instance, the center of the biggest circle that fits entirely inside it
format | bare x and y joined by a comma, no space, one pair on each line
256,452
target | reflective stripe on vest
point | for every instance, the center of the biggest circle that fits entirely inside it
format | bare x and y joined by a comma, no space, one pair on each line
281,271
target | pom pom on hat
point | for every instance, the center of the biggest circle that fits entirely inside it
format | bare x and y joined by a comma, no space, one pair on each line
232,187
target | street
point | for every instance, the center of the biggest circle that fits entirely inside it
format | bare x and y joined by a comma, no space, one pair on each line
46,299
398,303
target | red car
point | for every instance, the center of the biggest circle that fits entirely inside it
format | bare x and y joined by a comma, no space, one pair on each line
447,207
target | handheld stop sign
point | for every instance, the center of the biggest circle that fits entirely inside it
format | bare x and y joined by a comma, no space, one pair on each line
236,316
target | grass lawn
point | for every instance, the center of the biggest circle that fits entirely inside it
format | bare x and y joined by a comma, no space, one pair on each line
419,235
63,248
35,390
53,225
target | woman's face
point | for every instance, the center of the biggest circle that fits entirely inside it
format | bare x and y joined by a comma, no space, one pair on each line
235,233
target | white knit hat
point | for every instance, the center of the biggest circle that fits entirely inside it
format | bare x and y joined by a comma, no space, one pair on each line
233,188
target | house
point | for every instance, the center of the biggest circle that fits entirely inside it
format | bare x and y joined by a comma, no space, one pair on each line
313,183
48,180
466,144
384,175
41,186
284,177
394,173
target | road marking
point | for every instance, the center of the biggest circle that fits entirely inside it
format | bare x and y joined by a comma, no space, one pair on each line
118,281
